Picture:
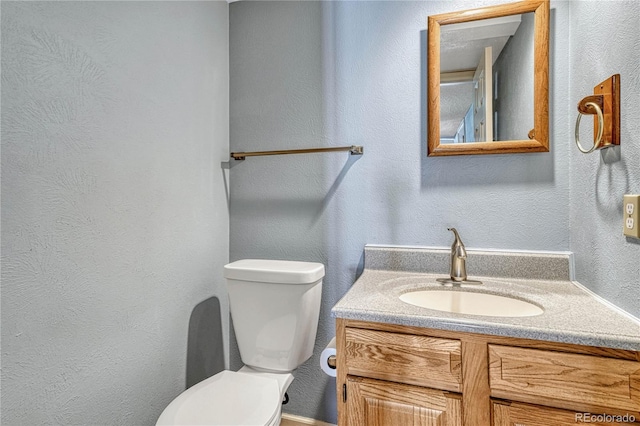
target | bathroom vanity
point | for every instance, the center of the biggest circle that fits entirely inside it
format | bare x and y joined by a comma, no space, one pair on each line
400,364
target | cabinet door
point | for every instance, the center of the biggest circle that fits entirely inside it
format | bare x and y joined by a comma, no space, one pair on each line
518,414
380,403
404,358
563,379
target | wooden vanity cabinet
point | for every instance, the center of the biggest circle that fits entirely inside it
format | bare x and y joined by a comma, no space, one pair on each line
400,375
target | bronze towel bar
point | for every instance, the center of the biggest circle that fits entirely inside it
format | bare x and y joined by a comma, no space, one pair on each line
353,149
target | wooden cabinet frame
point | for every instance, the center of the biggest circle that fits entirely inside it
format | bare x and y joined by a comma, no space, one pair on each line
477,394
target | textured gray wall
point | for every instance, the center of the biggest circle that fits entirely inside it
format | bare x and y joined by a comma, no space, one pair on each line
114,215
309,74
607,262
515,83
114,212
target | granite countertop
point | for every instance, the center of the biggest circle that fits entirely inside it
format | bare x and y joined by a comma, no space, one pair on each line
571,314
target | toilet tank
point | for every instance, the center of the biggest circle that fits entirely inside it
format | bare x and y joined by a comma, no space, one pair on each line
275,305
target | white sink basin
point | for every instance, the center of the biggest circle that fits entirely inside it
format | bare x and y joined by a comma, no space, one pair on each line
472,303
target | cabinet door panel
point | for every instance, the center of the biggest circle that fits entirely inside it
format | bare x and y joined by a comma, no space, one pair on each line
518,414
538,376
404,358
379,403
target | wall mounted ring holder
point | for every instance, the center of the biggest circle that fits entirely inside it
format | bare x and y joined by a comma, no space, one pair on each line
605,105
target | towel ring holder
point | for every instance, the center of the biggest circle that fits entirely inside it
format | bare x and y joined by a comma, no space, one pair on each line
600,119
605,105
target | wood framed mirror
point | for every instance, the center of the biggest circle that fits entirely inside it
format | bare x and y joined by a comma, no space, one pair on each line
488,80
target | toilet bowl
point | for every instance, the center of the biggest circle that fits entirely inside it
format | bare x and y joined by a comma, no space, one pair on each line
243,398
275,306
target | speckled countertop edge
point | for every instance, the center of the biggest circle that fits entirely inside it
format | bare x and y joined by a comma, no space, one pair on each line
571,315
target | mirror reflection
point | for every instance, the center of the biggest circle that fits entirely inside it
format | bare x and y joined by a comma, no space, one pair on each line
503,108
486,79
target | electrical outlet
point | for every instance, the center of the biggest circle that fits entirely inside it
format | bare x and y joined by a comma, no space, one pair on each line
631,213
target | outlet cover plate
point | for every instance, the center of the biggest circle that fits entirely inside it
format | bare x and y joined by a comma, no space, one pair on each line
631,215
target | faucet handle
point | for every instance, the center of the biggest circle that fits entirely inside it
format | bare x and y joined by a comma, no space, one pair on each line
458,245
455,234
458,270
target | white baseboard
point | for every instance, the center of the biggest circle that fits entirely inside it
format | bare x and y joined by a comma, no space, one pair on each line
293,420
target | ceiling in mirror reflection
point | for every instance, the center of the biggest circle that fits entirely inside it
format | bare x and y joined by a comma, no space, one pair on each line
461,44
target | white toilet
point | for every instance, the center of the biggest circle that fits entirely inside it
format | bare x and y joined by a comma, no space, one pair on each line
275,305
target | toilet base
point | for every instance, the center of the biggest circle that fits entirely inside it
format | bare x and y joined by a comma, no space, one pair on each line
283,379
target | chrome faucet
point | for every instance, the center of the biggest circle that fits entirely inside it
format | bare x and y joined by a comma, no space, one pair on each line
458,271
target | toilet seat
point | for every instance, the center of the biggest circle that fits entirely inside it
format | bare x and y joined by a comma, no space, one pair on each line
228,398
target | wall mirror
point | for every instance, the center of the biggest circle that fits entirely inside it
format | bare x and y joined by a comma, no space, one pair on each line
488,80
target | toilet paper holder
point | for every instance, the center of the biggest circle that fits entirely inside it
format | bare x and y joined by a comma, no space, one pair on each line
331,362
328,362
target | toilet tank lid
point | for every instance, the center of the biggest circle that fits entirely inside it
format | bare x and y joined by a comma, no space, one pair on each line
274,271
